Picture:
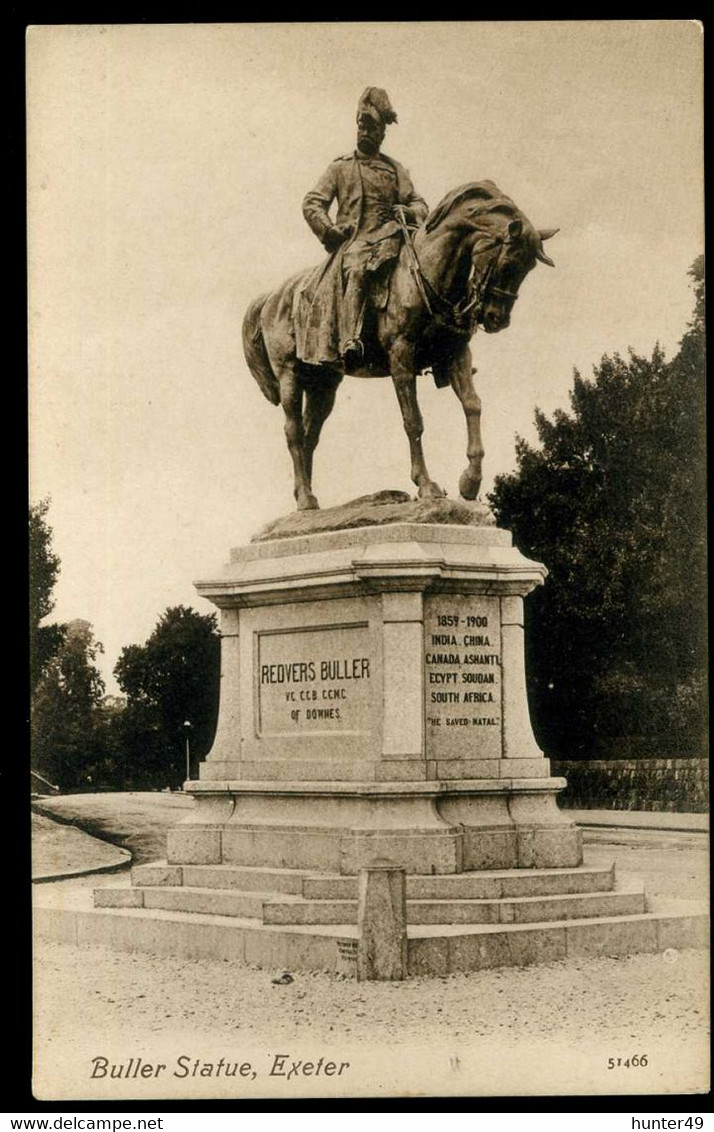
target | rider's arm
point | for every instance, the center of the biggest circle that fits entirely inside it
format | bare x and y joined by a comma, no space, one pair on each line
408,196
419,208
315,206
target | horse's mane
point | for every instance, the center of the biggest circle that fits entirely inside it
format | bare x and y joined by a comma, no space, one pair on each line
479,190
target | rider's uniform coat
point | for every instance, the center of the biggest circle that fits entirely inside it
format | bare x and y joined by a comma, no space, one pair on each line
344,181
366,190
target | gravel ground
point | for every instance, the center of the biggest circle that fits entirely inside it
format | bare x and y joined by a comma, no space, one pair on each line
634,995
548,1029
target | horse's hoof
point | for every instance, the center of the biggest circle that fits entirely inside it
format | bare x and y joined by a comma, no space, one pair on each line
469,485
308,502
431,491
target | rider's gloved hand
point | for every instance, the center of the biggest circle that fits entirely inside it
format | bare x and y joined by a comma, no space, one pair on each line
334,237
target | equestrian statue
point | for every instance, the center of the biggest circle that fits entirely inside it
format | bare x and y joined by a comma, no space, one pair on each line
402,292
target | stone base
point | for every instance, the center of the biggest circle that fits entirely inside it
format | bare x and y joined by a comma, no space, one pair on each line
234,923
374,714
440,827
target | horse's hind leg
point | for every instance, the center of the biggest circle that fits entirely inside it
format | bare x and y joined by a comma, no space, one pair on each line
319,402
291,401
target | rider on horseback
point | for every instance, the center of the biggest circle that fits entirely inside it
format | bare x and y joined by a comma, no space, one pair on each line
368,187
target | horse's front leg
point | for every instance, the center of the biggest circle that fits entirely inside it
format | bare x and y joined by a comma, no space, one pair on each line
401,359
461,378
319,402
291,401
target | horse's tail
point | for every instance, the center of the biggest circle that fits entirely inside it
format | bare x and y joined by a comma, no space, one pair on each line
255,353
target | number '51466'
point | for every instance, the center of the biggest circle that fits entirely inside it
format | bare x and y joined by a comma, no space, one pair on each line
636,1061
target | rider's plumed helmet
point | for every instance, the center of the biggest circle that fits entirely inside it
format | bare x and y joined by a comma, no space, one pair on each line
375,102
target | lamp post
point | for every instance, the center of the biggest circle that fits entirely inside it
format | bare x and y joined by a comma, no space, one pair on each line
187,725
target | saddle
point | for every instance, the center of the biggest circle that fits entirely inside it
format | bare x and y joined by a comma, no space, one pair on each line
316,321
316,310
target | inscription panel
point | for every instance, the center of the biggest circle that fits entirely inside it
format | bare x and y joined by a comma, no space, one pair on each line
313,681
462,677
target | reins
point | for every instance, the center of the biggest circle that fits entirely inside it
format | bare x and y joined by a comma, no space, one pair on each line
454,313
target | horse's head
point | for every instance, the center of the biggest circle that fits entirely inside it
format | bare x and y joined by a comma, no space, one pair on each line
502,256
502,246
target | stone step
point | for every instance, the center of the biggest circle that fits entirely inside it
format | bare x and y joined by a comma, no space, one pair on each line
208,901
441,950
475,885
432,950
205,901
626,900
247,878
479,885
271,908
158,872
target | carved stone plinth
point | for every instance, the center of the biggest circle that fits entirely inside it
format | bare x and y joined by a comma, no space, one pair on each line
373,702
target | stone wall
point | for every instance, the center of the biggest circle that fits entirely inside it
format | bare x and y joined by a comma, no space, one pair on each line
671,785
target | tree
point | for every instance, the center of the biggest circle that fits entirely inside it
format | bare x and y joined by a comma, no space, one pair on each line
612,501
172,678
45,640
107,768
66,738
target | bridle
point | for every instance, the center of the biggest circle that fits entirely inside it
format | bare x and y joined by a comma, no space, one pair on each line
455,317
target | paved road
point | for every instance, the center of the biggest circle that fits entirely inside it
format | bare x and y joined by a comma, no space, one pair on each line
641,819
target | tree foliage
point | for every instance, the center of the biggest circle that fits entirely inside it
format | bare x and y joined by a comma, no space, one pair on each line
45,640
172,678
612,500
84,740
66,733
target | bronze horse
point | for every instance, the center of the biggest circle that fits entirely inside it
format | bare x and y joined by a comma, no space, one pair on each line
462,268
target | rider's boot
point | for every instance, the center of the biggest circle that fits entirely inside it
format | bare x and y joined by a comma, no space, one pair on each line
352,318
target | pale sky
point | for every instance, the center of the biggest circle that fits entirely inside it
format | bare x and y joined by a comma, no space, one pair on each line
167,166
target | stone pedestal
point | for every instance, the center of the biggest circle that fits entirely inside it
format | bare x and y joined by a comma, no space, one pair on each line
374,803
373,703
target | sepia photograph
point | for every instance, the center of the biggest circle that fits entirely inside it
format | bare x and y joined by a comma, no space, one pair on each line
368,632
